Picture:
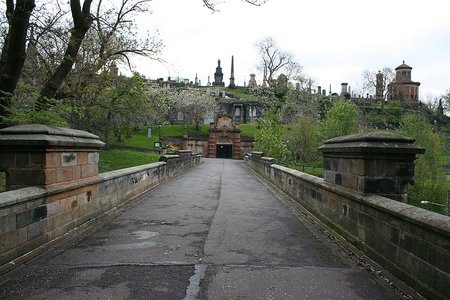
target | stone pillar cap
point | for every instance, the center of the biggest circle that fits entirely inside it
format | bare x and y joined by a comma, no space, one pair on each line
371,137
372,142
45,135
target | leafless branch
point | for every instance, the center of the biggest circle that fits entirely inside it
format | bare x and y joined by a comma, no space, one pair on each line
211,4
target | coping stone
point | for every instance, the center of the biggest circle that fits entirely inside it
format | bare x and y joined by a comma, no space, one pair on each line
45,135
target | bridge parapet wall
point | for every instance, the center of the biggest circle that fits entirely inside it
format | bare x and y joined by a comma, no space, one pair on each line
180,162
33,219
410,242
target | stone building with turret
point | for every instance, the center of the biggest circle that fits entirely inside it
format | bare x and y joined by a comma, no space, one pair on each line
403,89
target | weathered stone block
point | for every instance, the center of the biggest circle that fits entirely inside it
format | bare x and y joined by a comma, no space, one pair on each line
24,219
34,203
82,158
35,230
93,158
30,216
89,171
8,160
22,160
53,208
39,213
26,177
69,159
7,223
329,176
52,160
65,174
68,203
76,172
22,235
377,185
349,181
62,218
57,197
37,159
51,176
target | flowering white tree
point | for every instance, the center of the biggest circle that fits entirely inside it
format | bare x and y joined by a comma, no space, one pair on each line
162,106
195,105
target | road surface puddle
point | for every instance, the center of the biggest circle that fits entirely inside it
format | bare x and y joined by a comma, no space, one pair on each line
140,235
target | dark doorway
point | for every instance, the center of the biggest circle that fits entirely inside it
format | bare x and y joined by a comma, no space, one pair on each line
224,151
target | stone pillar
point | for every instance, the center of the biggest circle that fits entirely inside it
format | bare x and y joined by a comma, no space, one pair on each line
185,140
371,163
344,86
40,155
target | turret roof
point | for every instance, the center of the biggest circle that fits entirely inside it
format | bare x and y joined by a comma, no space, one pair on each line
403,66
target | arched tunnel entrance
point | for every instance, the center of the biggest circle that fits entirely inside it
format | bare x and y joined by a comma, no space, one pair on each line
224,151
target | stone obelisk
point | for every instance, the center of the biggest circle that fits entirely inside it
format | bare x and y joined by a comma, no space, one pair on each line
232,85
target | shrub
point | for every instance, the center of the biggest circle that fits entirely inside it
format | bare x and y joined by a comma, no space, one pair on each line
429,178
341,119
270,138
304,140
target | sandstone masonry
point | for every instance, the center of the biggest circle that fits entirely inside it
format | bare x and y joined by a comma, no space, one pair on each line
361,172
59,189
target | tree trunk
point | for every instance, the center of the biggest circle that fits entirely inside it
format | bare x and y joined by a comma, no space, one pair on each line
14,51
82,22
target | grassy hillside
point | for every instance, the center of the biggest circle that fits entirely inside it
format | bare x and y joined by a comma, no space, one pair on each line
248,130
139,137
119,159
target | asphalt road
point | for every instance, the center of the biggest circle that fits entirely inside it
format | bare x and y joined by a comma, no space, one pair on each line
216,232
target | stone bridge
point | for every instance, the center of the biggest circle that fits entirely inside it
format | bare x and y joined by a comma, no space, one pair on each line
192,228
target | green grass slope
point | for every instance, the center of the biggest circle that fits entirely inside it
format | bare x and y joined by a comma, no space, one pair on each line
139,137
120,159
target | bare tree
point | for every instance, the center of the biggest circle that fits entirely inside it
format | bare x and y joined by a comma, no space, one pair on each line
211,4
82,21
13,51
15,42
117,36
274,60
369,81
113,37
48,37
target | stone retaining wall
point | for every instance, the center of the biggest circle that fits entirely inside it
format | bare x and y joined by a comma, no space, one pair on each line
410,242
32,218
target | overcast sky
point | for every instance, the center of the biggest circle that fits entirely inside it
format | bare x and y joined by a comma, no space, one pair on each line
334,41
